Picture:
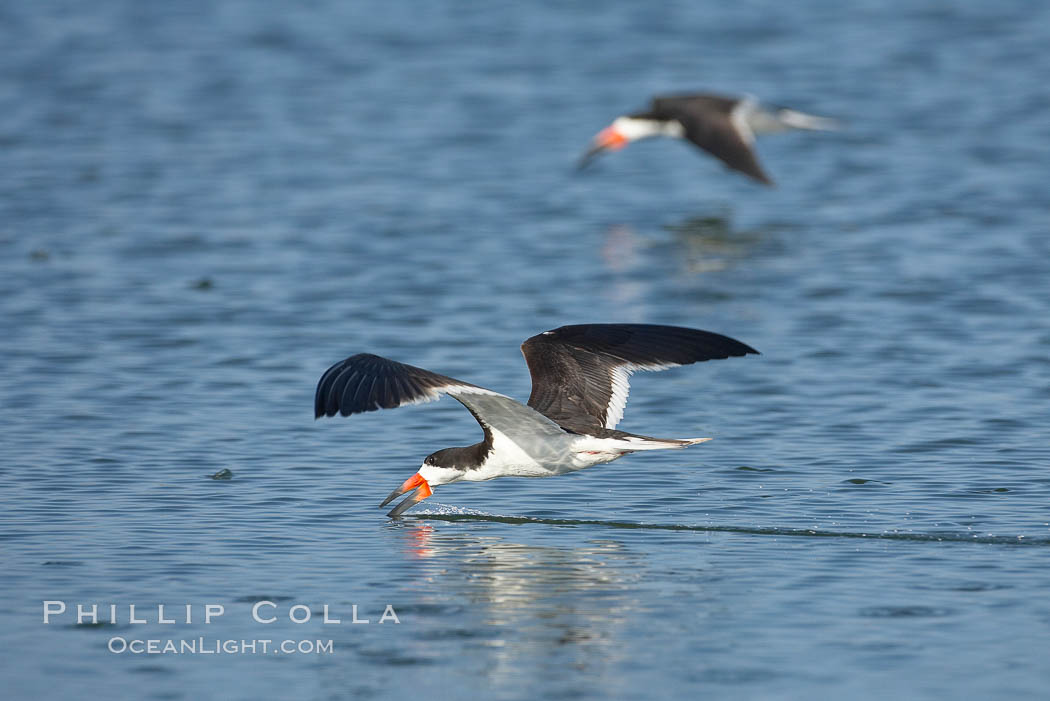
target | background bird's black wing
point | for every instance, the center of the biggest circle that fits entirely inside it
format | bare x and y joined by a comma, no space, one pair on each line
709,123
580,373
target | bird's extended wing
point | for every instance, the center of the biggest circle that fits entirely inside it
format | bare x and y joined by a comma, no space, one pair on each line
366,382
580,374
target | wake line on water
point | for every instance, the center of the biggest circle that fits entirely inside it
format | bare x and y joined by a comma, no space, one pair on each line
743,530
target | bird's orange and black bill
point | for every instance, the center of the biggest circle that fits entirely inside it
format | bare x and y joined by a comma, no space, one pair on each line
413,482
608,139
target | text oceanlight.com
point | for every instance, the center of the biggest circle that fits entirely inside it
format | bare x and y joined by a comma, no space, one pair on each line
205,646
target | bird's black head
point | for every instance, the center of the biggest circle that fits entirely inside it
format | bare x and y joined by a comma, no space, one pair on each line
443,458
457,458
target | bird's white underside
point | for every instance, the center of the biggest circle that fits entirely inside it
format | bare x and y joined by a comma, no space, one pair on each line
633,129
547,457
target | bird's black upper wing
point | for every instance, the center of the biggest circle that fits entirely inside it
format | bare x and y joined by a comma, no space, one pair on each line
366,382
580,374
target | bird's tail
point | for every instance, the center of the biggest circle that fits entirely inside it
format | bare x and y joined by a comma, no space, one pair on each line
811,122
769,119
694,441
649,443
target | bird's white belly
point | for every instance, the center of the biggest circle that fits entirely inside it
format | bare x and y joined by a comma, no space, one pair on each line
544,459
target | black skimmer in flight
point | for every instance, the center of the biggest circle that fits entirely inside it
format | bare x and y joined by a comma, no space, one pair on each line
725,127
580,380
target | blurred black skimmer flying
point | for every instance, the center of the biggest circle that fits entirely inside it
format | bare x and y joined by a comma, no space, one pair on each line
725,127
580,378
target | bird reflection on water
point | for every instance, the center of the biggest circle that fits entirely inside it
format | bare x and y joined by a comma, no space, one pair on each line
699,243
537,606
709,243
